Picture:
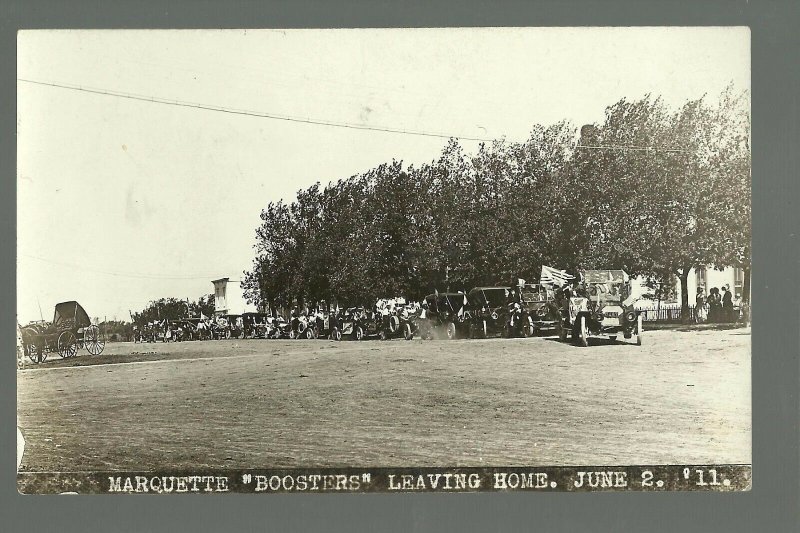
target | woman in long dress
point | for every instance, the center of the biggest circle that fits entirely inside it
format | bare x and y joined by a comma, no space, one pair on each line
714,305
727,304
701,307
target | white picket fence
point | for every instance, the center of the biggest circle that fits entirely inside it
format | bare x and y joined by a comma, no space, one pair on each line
665,312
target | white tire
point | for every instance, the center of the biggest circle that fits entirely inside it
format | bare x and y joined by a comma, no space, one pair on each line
639,330
583,333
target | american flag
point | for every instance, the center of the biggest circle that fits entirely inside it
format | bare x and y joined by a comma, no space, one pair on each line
553,276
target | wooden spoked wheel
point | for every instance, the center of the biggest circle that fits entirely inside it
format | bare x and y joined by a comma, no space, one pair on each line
583,331
30,352
91,339
67,344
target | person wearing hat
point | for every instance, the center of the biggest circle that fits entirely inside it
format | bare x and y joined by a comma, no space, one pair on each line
700,308
714,305
727,303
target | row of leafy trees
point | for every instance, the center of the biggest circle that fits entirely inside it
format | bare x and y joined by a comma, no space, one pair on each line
174,309
652,190
117,330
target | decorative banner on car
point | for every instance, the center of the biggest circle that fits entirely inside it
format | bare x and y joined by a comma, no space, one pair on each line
605,276
577,305
553,276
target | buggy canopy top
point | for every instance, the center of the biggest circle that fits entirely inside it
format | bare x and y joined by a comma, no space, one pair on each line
70,314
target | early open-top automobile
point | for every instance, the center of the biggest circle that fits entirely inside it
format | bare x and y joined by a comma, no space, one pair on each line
445,310
539,308
489,310
409,322
175,331
397,319
327,324
255,325
279,328
357,324
303,327
70,330
234,328
603,306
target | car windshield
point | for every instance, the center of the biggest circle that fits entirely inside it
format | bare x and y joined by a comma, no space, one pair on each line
450,301
495,297
536,293
605,292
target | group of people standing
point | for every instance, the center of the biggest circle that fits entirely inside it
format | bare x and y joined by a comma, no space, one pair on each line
716,307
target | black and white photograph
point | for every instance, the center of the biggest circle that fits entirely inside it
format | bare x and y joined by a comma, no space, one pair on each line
384,260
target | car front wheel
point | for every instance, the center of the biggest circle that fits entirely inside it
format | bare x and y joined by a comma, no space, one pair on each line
583,333
562,332
407,333
528,330
450,328
639,330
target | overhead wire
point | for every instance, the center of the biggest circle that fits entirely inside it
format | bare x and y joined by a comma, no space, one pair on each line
259,114
629,147
321,122
119,273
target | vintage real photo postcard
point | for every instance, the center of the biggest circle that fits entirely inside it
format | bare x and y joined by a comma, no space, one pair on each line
383,260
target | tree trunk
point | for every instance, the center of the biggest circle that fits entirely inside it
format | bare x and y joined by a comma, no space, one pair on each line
746,285
746,296
658,307
684,277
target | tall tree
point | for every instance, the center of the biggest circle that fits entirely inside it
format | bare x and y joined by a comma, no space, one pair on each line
662,193
653,190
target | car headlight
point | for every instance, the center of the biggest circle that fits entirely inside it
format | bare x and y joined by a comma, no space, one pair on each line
494,316
630,316
599,316
542,312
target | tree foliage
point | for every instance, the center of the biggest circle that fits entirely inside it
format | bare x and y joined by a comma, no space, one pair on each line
174,309
652,190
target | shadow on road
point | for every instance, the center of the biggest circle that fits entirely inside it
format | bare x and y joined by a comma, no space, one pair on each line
698,327
596,341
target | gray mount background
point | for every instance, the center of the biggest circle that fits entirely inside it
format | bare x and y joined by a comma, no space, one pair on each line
772,505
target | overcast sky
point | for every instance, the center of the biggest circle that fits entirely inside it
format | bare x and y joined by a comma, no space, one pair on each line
122,201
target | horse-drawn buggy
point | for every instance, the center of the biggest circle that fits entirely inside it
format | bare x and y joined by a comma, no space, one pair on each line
70,330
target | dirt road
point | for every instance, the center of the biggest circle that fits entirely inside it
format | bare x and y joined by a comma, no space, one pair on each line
684,397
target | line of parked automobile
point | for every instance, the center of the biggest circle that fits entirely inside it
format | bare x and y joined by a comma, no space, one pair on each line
483,312
600,304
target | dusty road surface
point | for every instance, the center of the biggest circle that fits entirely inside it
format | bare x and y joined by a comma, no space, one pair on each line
683,397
